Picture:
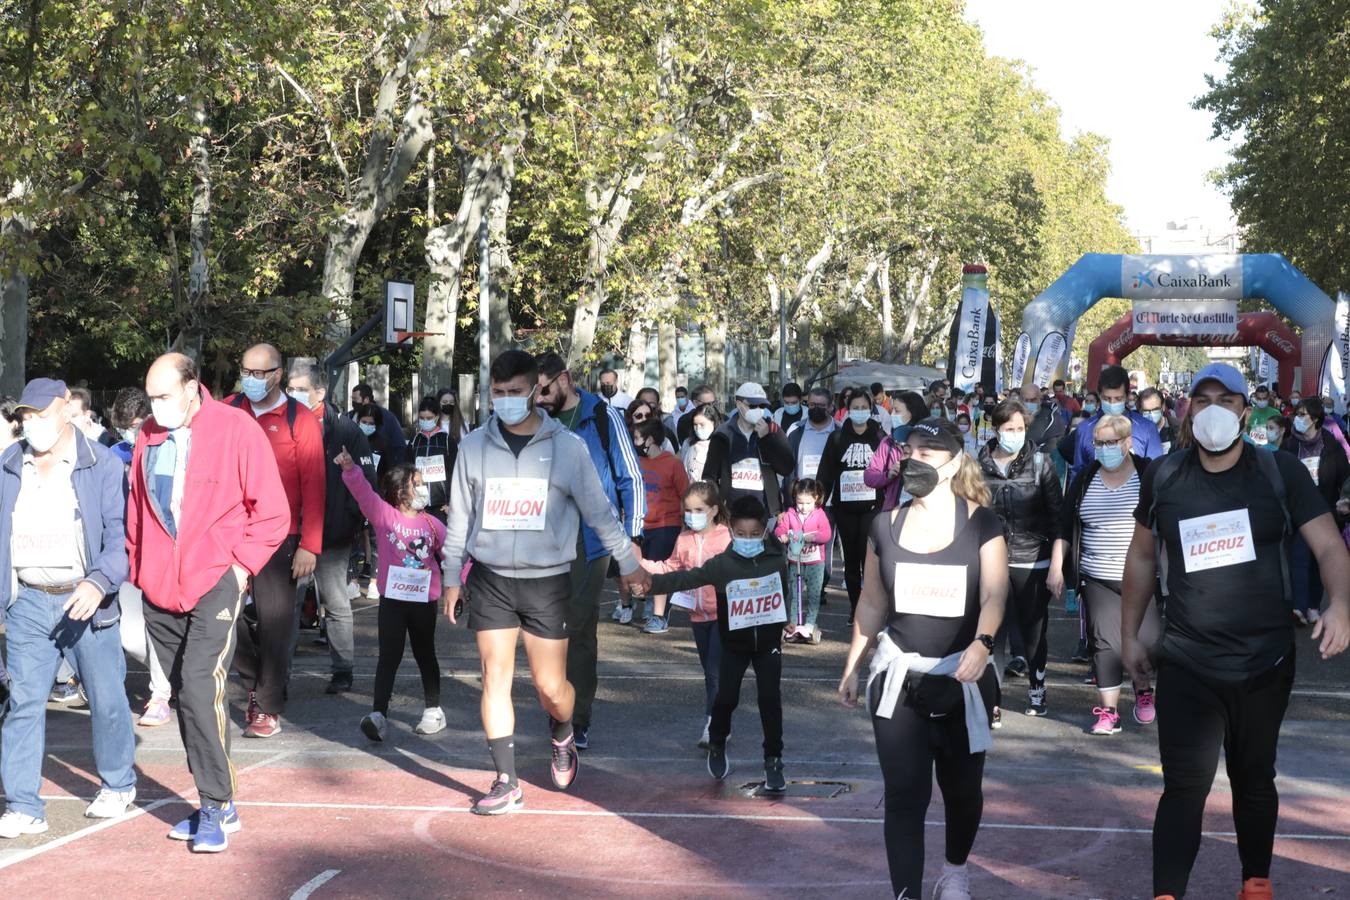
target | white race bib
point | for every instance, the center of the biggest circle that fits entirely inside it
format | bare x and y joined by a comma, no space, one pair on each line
1212,542
515,504
402,583
810,465
746,475
852,488
925,590
811,554
432,468
755,601
1313,464
684,600
1167,447
46,545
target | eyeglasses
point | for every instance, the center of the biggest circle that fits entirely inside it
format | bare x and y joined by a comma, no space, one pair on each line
260,373
1102,445
755,405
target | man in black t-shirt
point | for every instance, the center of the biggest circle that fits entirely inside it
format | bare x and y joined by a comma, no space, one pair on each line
1226,658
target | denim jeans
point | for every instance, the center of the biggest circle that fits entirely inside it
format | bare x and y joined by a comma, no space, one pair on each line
330,581
38,632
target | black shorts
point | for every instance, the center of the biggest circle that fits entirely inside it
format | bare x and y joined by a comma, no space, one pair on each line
659,543
538,605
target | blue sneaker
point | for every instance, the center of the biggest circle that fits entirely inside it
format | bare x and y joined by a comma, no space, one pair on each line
656,625
228,820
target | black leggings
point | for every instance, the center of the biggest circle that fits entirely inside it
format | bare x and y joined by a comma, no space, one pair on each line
417,621
1197,715
768,663
910,747
852,528
1030,602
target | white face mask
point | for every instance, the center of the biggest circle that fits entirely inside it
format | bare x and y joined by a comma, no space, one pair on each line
703,432
754,415
1216,428
42,434
170,413
421,497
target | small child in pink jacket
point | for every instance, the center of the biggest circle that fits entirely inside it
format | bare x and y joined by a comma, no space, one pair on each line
805,528
704,536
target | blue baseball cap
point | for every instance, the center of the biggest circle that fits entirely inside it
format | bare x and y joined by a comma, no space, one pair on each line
39,393
1231,379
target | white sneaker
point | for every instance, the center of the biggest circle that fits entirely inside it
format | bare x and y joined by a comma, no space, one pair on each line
705,740
433,720
953,883
373,590
374,726
353,590
109,804
618,613
625,615
14,824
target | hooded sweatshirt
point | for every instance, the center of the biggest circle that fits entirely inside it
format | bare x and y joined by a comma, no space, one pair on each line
519,515
730,568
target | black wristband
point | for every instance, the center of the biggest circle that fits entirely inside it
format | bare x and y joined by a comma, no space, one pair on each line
987,640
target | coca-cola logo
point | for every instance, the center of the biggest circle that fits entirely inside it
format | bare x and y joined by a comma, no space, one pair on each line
1284,344
1125,338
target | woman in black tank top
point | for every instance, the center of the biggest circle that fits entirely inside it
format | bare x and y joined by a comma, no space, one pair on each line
934,585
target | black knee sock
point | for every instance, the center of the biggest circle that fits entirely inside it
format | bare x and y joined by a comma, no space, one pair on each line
503,750
561,730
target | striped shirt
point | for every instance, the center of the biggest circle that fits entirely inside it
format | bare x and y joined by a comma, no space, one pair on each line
1108,524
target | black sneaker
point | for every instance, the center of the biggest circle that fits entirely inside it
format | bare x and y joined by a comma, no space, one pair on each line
580,738
1036,702
1080,653
340,683
719,766
773,774
1016,668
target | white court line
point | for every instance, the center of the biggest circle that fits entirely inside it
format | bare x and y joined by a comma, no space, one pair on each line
25,855
318,881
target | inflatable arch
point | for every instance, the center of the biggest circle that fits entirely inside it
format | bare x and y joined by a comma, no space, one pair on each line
1259,329
1042,349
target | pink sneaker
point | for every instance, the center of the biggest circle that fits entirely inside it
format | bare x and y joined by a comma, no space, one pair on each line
156,713
1108,720
1144,711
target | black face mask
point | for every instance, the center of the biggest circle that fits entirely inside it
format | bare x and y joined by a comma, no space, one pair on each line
919,478
447,407
817,415
609,390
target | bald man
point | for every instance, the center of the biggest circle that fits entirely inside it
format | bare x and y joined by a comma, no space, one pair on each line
267,628
206,511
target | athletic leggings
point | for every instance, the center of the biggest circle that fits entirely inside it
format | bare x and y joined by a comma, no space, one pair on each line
812,579
1197,716
415,622
852,528
709,644
909,746
1030,611
1103,602
768,663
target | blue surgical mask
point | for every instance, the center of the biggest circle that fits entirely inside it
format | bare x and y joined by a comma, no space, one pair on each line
1111,457
1154,416
1089,408
792,409
511,410
1302,424
696,521
1012,441
859,416
1031,408
255,389
366,428
1113,409
1262,404
748,547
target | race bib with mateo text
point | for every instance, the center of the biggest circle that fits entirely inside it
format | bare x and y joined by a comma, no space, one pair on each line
755,601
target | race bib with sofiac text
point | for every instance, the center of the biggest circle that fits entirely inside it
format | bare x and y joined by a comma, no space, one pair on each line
1218,540
404,583
755,601
929,590
515,504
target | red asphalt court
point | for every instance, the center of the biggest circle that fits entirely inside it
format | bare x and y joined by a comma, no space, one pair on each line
405,830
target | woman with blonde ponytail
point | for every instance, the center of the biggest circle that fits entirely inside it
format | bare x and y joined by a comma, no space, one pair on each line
934,583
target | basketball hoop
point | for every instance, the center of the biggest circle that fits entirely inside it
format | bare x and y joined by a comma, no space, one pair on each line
404,336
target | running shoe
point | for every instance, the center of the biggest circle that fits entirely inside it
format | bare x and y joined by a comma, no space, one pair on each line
625,615
186,830
774,782
157,712
656,625
952,884
353,590
210,836
502,799
795,637
581,736
16,824
997,722
433,721
264,725
1314,616
1016,668
374,726
1256,889
1144,710
109,804
703,740
340,683
373,590
719,766
1036,702
815,635
66,692
1298,615
618,612
1080,653
563,766
1108,720
251,711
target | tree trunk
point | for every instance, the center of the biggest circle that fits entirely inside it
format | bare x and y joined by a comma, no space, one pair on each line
608,208
635,360
15,233
887,310
715,359
917,298
667,353
189,336
501,272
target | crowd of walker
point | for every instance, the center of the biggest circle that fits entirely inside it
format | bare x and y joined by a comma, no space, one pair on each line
1193,534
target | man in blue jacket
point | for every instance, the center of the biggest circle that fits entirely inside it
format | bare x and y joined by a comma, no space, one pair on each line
1112,386
62,544
603,429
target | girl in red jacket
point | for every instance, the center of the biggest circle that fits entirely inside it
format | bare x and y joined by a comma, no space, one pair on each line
704,536
805,528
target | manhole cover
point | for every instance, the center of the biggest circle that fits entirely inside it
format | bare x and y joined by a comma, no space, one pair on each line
808,790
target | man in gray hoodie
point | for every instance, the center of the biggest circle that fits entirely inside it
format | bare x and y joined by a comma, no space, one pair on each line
521,488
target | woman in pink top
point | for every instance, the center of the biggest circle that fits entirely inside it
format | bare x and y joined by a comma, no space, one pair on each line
408,541
704,536
805,528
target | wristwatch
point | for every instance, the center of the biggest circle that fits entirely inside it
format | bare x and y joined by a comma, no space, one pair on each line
987,640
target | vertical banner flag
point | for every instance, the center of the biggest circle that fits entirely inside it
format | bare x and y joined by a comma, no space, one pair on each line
1048,358
1021,353
1336,363
965,365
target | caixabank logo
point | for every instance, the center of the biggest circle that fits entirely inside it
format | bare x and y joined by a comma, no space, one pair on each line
1142,279
1156,279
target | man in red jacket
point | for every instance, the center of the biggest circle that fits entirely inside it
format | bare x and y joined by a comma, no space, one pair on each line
206,510
266,629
